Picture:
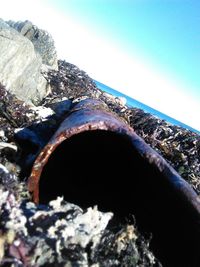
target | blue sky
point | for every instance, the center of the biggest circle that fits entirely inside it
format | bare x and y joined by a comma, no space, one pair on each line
163,31
147,49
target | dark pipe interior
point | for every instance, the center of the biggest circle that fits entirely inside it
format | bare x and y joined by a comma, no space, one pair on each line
102,168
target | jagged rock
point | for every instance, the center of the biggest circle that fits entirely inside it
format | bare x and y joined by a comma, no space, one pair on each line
20,66
42,41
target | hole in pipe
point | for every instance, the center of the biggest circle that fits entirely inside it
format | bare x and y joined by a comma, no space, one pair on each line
103,168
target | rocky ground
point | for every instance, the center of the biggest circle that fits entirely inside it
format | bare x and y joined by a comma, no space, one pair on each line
52,235
58,234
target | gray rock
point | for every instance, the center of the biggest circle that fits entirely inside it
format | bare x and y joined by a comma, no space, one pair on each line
20,66
7,179
42,41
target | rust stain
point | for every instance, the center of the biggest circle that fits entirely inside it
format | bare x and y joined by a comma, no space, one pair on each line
91,115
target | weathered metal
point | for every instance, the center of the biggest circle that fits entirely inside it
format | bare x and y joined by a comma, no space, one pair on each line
91,115
140,181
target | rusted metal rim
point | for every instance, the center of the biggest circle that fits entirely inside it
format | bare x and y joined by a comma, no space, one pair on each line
91,115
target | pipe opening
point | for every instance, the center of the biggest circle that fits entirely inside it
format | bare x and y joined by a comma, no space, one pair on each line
103,168
89,169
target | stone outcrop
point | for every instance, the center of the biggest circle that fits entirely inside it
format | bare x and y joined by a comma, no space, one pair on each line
20,66
41,39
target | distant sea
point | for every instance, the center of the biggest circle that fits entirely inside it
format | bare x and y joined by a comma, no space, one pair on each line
136,104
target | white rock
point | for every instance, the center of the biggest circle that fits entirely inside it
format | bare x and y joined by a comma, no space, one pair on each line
121,100
20,66
87,227
42,112
2,134
4,144
3,168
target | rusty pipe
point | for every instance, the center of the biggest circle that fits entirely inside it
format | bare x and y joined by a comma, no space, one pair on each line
91,115
158,195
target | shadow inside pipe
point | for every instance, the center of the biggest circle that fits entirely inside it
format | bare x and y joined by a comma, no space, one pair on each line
103,168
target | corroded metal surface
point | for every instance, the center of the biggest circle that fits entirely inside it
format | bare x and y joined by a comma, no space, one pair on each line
91,115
